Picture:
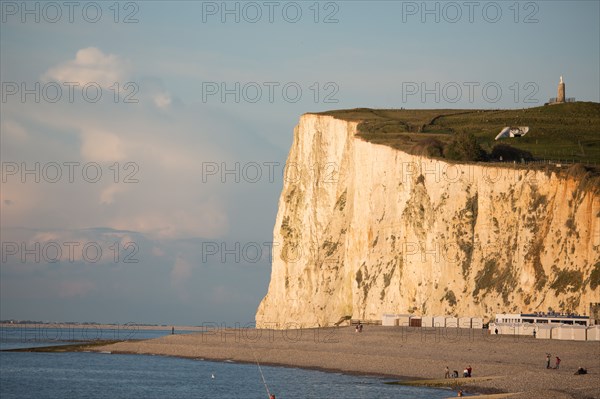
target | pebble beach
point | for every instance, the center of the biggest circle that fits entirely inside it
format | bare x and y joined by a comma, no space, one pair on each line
513,365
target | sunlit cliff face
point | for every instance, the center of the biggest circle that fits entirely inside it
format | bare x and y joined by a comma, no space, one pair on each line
364,229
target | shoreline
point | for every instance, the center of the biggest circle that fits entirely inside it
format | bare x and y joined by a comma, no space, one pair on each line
266,364
450,385
398,380
409,354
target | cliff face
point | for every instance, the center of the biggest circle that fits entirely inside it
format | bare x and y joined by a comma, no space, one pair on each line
364,229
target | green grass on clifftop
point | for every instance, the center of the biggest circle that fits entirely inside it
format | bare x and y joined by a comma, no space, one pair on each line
562,132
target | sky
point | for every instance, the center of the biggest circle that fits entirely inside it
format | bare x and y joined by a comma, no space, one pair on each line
143,143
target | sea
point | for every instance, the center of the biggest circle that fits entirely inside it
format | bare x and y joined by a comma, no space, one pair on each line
93,375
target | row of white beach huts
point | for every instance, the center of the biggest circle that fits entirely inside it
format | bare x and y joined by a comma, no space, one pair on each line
548,331
560,331
431,321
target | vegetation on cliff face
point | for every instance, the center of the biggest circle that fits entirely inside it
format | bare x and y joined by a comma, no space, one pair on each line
341,202
465,232
536,221
418,210
567,281
450,298
330,247
493,277
291,237
595,276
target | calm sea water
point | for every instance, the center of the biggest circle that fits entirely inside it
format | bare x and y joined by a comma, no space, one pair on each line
98,375
94,375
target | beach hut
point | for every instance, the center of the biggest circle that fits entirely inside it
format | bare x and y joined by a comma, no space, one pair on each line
513,329
563,333
464,322
403,320
426,321
503,328
524,329
389,320
593,333
477,322
544,331
451,322
578,333
439,321
415,321
570,332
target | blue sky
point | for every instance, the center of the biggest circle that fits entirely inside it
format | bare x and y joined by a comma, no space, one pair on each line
180,242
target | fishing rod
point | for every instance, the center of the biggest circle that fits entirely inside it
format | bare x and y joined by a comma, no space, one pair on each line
260,370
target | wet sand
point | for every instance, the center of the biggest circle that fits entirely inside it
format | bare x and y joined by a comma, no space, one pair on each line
400,352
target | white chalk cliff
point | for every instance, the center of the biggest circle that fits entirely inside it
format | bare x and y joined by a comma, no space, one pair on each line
364,229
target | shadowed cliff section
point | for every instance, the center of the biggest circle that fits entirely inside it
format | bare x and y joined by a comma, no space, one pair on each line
368,229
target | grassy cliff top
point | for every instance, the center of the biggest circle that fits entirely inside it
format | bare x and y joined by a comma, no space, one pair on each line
561,132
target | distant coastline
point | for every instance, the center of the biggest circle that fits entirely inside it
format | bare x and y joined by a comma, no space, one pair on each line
101,326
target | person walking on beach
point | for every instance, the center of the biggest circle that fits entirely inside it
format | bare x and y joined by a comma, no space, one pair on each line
548,360
469,370
447,373
557,362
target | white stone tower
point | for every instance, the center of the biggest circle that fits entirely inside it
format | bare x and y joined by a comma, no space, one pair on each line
561,91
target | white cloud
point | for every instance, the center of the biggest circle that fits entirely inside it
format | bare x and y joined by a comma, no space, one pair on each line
158,252
168,199
97,246
203,219
45,237
107,196
101,146
90,65
162,100
13,130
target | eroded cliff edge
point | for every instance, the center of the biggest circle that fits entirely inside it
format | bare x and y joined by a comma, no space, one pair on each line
363,229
